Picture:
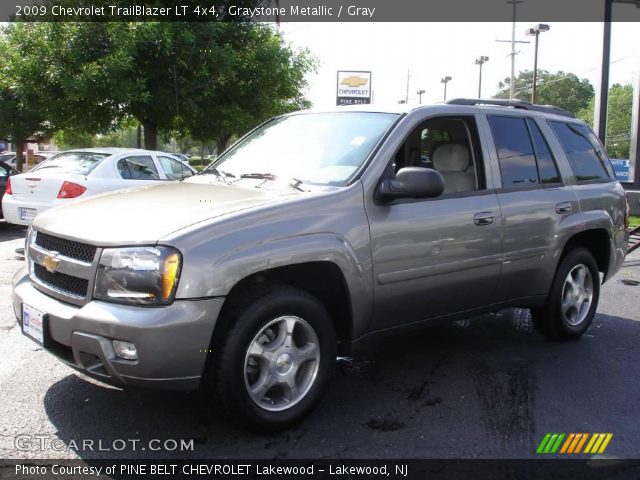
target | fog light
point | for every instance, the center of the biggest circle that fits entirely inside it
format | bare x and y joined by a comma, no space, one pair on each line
126,350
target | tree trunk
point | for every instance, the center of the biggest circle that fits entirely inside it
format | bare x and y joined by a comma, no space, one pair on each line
150,135
19,153
222,142
139,136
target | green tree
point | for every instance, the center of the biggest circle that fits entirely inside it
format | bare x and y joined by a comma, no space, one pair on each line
564,90
23,106
619,113
204,80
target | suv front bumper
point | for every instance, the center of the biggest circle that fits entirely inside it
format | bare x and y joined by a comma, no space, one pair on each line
171,341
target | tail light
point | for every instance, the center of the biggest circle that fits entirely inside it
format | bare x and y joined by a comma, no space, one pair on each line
627,212
71,190
7,190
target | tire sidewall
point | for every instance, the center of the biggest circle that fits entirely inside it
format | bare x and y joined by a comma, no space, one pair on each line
249,323
572,259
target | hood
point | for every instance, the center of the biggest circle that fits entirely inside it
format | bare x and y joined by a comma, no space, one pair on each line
144,215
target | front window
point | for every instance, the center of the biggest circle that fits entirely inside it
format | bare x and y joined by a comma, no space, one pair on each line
318,148
73,162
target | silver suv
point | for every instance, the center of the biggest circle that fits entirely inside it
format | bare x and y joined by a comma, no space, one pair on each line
317,231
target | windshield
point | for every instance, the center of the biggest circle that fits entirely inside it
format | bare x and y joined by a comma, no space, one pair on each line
73,162
319,148
5,157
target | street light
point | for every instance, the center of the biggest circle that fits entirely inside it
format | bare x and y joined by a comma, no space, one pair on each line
445,80
480,61
419,93
535,32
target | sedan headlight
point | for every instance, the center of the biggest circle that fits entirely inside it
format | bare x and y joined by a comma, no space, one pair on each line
138,275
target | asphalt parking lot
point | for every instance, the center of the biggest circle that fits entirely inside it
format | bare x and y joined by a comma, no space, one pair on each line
488,387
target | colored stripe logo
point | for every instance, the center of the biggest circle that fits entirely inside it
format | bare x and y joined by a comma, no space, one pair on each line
586,443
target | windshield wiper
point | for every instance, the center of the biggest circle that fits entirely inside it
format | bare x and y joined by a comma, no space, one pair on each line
259,176
218,173
293,183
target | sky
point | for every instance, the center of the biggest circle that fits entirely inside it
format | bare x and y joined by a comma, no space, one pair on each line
431,51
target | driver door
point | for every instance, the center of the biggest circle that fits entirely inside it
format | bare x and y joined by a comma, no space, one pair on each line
441,255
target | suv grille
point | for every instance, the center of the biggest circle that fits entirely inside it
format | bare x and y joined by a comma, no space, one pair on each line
61,281
68,248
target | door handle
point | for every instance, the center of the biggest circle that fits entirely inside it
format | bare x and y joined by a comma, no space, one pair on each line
483,218
564,208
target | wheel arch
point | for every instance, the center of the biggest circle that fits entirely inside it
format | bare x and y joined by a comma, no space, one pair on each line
598,242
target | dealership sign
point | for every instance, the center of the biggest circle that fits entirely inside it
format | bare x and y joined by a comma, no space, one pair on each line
354,88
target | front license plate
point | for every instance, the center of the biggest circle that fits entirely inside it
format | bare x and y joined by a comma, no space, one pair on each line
33,323
27,214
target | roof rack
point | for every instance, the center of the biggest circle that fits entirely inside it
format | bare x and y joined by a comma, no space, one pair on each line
513,104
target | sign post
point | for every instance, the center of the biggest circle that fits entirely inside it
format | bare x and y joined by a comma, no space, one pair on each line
354,88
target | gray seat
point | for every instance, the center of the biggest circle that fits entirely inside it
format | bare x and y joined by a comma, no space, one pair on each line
454,163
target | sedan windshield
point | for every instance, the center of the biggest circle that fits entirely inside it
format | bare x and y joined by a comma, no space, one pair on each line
318,148
73,162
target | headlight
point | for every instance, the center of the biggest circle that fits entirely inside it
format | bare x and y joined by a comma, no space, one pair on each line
138,275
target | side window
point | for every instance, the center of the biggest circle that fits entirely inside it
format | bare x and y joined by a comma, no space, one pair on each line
138,167
173,169
581,147
547,169
4,171
515,151
446,144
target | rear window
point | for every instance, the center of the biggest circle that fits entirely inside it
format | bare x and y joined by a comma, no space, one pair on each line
7,157
73,162
583,151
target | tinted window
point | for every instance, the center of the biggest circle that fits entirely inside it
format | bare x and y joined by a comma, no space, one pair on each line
139,167
173,169
580,145
515,152
547,169
4,171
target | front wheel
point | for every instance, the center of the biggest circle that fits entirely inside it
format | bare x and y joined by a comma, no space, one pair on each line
573,299
275,358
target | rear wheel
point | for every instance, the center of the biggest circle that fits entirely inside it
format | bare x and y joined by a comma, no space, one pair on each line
275,357
573,299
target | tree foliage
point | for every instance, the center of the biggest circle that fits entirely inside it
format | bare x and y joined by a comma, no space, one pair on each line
618,120
564,90
205,80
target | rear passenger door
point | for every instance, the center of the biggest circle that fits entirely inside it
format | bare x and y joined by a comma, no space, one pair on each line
534,200
436,256
138,170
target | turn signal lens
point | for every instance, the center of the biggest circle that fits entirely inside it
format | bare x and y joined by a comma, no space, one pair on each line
71,190
170,269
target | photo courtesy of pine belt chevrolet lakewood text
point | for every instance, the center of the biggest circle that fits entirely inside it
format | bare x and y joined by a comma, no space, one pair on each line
318,231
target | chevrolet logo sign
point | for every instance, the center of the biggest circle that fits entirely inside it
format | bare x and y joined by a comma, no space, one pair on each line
51,262
354,81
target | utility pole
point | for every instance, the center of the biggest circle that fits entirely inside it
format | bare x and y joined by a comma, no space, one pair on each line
535,31
406,97
513,41
419,93
480,61
445,80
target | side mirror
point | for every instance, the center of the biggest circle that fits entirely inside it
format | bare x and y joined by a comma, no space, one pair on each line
413,182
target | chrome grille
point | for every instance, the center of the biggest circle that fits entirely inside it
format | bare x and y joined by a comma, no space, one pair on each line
62,282
68,248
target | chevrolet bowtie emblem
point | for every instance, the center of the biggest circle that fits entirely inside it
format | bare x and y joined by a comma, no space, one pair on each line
354,81
51,262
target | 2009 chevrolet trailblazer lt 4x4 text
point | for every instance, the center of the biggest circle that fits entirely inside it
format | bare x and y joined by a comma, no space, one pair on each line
316,231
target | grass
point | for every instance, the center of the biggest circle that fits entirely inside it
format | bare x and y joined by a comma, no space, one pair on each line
634,221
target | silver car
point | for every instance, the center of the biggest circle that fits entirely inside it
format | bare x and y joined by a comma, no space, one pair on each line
318,231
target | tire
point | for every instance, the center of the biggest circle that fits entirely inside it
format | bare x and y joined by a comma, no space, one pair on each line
573,298
275,356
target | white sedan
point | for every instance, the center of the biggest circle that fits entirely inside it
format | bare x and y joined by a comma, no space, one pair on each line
82,173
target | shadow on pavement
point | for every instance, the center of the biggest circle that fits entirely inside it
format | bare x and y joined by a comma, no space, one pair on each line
489,387
11,232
